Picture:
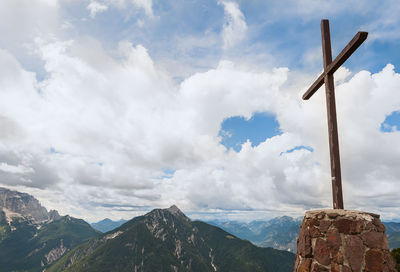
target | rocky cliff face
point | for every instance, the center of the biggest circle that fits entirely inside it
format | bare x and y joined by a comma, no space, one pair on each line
16,204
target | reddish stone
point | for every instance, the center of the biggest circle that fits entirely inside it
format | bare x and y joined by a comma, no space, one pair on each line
305,265
385,242
297,262
343,225
347,226
312,222
354,251
335,267
304,243
332,215
319,268
324,225
370,226
356,227
338,257
321,252
390,262
373,239
345,268
333,238
321,215
378,224
300,242
314,232
334,242
374,260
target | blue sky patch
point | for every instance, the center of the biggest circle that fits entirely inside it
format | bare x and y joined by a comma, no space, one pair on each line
299,147
168,172
237,130
391,123
54,151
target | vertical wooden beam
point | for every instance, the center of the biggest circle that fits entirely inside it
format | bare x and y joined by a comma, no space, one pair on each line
332,122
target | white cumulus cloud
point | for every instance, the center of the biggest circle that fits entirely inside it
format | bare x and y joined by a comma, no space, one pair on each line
95,7
100,130
235,27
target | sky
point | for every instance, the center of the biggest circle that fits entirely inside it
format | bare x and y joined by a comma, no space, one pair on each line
110,108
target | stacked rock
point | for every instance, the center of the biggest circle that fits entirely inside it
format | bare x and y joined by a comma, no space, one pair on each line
342,241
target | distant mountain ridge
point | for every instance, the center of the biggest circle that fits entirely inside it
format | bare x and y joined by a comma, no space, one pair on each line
107,224
393,234
279,233
167,240
392,227
282,232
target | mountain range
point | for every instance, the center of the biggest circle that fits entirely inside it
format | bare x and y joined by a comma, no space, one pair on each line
33,239
279,233
107,224
167,240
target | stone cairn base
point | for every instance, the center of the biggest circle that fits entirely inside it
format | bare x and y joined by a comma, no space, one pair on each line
342,241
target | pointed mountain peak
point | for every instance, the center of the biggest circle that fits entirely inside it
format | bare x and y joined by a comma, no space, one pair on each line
174,210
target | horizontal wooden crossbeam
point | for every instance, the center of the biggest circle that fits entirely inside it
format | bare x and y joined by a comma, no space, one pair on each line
352,46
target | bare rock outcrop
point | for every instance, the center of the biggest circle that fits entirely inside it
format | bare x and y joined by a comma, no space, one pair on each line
17,204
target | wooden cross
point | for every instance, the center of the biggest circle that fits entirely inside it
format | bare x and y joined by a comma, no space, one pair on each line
327,77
